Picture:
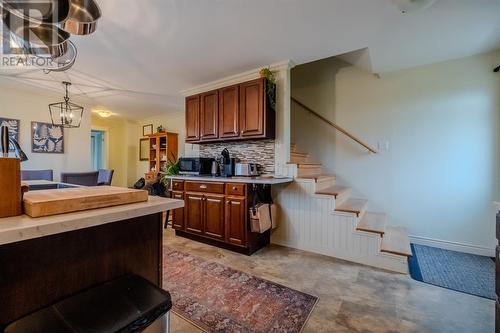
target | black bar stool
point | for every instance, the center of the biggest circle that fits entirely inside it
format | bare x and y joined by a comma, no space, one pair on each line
128,304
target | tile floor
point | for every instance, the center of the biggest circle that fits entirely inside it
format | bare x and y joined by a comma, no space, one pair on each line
352,298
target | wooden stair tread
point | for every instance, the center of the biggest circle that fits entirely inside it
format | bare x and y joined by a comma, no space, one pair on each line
355,206
298,153
373,222
333,190
396,241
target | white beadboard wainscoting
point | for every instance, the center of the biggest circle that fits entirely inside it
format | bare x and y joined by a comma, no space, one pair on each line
308,222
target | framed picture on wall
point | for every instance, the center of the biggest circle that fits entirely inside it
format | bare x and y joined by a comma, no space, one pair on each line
14,126
144,150
147,130
47,138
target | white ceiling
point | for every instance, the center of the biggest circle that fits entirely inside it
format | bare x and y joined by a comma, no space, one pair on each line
145,52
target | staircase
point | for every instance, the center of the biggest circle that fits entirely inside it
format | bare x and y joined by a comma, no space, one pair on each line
322,217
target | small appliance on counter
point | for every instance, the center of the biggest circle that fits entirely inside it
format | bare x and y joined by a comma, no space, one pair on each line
195,166
247,169
228,164
215,168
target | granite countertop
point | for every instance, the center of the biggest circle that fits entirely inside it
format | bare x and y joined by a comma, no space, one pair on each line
19,228
245,180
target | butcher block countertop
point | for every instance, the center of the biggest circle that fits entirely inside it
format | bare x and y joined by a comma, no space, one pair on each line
23,227
67,200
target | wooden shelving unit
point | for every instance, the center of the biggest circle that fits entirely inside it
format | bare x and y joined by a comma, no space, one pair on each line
162,147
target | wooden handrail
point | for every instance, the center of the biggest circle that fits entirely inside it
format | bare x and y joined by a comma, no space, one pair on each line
337,127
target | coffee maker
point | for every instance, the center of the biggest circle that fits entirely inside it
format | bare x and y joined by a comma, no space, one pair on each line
228,164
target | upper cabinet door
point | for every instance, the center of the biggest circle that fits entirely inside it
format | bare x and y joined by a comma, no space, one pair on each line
229,118
252,108
210,115
193,118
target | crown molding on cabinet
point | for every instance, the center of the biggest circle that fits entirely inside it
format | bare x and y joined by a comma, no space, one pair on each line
238,78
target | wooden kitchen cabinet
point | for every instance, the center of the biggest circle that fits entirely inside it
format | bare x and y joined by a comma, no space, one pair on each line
236,220
239,112
214,216
193,118
178,214
257,112
209,120
194,213
252,108
216,213
229,115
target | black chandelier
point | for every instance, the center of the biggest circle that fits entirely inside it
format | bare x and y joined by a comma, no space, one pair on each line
66,114
40,29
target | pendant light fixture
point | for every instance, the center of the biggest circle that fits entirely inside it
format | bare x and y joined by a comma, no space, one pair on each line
66,114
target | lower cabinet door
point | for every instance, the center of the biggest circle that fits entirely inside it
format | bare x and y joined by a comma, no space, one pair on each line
178,214
214,216
194,213
236,221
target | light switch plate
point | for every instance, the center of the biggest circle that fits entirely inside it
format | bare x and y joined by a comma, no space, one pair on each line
383,145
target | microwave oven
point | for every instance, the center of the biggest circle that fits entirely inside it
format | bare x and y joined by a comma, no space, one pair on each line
195,166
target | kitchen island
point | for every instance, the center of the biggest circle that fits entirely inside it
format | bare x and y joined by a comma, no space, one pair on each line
43,260
217,210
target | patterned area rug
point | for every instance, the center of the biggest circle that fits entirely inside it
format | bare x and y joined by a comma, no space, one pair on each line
217,298
467,273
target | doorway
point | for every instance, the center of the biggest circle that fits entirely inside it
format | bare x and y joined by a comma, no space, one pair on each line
98,149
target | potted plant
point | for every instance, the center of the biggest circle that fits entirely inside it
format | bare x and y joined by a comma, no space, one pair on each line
171,169
271,85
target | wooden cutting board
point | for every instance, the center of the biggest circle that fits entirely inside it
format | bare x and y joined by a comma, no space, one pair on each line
60,201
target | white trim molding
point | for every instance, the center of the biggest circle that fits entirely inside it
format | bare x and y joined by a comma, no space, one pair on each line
453,246
238,78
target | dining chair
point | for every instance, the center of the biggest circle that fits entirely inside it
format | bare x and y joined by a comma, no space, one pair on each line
37,175
105,177
80,178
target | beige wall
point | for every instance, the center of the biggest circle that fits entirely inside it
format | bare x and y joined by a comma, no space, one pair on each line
29,106
441,122
124,136
122,150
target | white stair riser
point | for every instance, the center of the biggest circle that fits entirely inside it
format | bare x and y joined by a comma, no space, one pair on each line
324,183
309,172
297,159
342,197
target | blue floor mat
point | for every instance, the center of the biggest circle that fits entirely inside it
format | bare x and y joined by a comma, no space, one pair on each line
463,272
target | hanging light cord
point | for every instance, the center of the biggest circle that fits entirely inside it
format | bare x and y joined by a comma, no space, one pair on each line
66,97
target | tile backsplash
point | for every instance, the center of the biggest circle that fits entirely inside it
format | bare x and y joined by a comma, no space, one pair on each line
258,151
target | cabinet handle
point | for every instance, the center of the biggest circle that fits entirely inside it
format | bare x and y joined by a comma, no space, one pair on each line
204,187
234,188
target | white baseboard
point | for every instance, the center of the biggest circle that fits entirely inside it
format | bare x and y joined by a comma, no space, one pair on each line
459,247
